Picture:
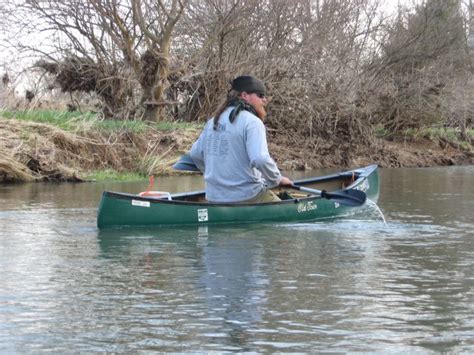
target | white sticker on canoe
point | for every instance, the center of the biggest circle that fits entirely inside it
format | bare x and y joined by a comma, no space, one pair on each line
307,206
202,215
140,203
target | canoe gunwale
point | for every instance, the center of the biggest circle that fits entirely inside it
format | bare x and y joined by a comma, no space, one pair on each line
359,174
127,196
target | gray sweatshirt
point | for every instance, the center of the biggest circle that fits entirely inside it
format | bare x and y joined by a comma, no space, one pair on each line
234,158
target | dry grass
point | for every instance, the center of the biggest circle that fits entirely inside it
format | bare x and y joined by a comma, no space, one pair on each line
13,170
36,151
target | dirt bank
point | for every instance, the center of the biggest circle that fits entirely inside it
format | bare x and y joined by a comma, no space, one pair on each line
36,152
32,151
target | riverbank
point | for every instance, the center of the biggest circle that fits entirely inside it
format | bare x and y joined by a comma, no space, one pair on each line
32,151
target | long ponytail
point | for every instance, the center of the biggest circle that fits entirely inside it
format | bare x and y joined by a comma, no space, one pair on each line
233,99
232,95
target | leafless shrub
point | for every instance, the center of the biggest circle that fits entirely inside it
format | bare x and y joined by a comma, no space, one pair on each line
424,59
308,53
120,49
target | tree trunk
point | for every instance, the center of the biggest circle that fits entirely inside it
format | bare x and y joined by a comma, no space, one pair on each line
153,106
154,82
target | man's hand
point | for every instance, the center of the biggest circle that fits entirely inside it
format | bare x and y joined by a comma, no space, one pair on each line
285,181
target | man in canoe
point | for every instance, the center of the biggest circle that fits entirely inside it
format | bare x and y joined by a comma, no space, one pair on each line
232,150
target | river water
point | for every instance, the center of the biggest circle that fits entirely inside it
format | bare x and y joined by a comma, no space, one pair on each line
347,285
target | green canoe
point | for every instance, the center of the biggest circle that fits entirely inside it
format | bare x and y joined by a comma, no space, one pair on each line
190,208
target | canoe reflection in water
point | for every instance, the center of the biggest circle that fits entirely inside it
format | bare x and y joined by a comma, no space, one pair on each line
206,281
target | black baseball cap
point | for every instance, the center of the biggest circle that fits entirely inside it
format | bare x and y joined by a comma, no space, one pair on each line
248,84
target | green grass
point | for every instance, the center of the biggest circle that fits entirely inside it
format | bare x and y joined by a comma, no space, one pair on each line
171,126
431,133
436,133
63,120
447,134
382,132
112,175
73,121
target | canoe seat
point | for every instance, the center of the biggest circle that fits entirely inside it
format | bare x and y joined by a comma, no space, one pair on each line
348,181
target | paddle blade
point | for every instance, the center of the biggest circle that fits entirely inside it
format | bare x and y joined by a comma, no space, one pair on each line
346,197
185,163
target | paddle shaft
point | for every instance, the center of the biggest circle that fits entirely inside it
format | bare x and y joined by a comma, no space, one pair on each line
306,189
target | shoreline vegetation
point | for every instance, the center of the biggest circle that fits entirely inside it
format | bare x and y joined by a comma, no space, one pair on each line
128,86
73,146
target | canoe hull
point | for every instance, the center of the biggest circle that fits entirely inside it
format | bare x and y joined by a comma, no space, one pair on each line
121,210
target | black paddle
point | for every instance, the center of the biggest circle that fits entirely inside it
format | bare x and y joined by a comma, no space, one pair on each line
348,197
